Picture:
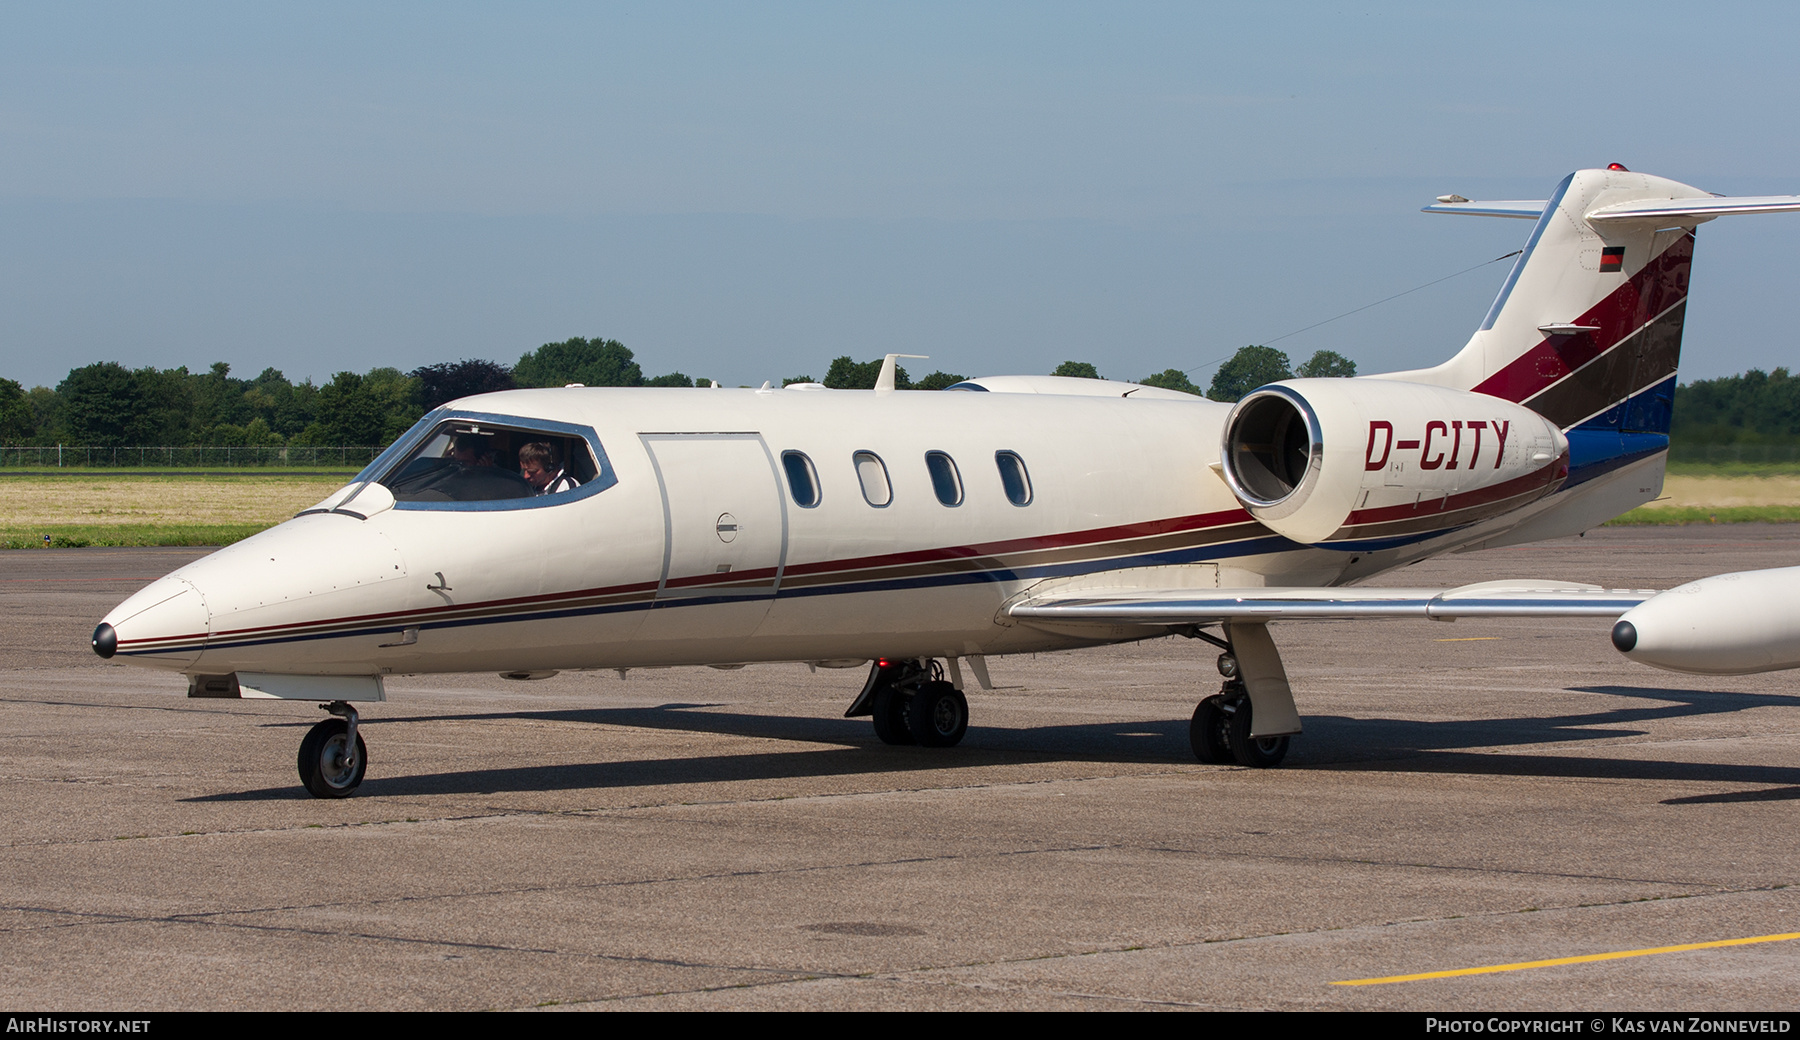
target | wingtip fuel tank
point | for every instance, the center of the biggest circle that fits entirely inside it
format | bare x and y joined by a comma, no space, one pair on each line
1729,624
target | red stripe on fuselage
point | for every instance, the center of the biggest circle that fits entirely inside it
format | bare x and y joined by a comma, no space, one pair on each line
1662,283
1123,532
1095,536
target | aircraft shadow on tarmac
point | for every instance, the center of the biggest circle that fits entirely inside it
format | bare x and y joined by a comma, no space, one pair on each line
1331,743
1437,747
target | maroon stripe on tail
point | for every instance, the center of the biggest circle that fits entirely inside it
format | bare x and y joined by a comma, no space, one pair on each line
1660,285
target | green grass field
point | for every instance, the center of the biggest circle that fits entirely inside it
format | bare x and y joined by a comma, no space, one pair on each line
1700,515
135,507
76,536
1734,469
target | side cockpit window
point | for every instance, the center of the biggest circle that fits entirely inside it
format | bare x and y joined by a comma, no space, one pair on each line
487,459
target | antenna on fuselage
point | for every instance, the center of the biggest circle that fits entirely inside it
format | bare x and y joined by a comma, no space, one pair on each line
884,383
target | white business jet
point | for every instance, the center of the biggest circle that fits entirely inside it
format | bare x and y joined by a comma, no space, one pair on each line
918,532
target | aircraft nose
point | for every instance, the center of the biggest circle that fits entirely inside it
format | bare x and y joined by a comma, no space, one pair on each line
1624,637
164,625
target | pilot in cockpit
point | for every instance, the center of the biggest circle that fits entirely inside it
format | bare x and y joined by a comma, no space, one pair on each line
541,466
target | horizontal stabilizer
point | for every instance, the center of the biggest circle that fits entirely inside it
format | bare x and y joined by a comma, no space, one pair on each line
1193,606
1527,209
1703,209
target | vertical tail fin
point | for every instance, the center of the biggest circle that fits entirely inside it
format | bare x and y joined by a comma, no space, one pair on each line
1589,320
1586,330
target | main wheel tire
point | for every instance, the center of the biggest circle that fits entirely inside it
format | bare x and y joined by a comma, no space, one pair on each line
889,712
938,715
322,766
1255,752
1207,732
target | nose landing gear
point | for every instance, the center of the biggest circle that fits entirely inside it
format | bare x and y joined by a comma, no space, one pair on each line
332,757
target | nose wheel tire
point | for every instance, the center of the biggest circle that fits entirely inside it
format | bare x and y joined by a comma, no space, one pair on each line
326,766
938,715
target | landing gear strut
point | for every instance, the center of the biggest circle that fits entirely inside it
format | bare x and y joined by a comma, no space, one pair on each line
911,703
332,757
1224,727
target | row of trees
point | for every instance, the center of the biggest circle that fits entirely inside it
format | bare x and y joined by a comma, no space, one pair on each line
1752,408
1248,369
107,405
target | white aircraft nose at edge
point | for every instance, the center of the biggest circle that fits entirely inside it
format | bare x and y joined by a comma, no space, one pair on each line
1006,515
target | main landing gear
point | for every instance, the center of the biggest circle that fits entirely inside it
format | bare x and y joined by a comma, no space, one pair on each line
910,702
1220,732
332,757
1224,728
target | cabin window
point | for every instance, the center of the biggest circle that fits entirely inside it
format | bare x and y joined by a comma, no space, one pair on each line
1014,478
872,473
803,480
497,462
945,481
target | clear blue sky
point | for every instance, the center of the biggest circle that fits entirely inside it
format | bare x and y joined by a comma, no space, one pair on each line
744,191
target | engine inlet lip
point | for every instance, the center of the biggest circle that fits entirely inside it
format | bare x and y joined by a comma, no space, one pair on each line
1315,453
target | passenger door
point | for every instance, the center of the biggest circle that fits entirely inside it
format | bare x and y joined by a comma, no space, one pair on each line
725,533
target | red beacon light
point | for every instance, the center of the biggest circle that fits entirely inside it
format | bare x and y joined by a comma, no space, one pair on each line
1617,166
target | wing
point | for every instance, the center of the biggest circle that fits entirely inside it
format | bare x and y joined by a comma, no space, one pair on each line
1203,606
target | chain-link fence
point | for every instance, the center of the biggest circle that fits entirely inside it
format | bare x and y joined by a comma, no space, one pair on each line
187,457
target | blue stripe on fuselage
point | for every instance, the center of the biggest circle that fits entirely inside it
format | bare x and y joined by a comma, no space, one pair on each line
1226,550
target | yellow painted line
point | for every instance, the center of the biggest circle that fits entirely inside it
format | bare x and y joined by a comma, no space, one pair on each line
1584,959
1466,639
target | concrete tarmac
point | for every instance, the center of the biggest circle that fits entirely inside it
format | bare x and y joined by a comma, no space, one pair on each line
1465,795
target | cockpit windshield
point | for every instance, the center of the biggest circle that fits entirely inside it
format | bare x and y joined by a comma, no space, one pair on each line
477,460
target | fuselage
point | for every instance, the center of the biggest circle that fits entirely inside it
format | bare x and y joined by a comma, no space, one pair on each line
696,540
699,551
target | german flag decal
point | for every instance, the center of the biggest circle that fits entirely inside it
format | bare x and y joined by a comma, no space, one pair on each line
1612,258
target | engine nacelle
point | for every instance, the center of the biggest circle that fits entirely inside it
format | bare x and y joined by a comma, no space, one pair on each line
1367,463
